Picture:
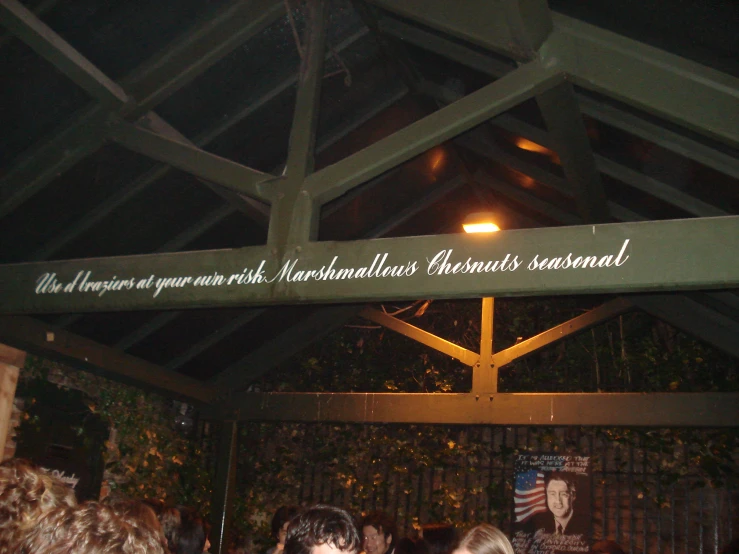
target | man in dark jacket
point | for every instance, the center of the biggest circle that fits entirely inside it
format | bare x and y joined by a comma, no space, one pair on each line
562,518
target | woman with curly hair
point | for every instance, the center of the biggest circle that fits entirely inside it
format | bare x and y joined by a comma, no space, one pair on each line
27,492
93,528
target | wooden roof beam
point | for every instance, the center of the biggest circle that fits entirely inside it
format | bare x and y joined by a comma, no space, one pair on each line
548,409
213,39
337,179
58,344
644,256
600,111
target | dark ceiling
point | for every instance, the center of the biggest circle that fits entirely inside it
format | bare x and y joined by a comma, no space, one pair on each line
66,191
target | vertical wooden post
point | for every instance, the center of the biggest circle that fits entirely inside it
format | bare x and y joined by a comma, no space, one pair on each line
484,374
225,485
11,360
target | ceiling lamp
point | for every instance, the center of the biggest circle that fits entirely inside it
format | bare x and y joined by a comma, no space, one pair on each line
480,222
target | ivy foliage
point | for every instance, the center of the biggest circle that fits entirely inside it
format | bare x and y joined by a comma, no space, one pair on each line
424,472
364,466
145,455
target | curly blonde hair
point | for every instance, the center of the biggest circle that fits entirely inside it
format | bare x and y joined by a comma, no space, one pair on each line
26,493
92,528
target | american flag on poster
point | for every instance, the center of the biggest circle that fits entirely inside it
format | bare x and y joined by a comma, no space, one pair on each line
530,497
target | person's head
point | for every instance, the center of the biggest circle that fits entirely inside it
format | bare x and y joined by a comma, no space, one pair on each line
134,511
378,533
322,530
439,538
561,491
484,539
281,520
607,547
26,493
192,534
171,521
91,528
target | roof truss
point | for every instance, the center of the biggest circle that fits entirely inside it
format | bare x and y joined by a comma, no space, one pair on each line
650,256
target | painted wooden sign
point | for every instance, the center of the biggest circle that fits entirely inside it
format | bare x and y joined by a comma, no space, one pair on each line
629,257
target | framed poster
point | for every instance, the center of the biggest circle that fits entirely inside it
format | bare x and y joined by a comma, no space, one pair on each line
551,504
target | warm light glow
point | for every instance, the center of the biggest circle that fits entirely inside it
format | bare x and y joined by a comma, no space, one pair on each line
480,227
527,182
437,159
480,222
525,144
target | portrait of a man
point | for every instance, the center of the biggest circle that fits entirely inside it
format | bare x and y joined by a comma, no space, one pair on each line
562,516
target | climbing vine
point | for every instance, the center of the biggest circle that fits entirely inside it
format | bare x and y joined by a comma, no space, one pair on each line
145,455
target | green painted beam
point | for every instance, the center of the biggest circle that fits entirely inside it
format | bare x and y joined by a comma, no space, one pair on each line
541,176
694,318
607,409
419,205
606,166
146,330
30,29
635,257
198,49
294,215
58,344
682,91
219,334
658,189
581,323
561,113
191,159
523,197
245,205
214,38
605,113
455,351
282,347
515,28
44,162
337,179
38,10
681,144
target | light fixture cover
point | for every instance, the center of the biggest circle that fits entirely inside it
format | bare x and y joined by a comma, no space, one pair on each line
480,222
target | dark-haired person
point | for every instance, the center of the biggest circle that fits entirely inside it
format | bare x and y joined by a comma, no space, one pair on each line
322,529
562,517
169,520
192,535
280,522
378,533
92,528
27,492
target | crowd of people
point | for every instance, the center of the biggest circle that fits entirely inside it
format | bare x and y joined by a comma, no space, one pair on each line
39,514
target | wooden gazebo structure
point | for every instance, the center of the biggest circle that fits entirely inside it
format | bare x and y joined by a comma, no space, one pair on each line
190,193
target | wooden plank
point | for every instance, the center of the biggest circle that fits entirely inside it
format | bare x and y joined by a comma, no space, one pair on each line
610,258
58,344
608,409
